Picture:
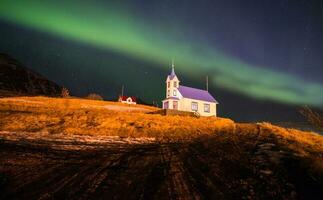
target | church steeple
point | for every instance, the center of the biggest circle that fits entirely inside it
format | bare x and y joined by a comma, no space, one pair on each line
173,69
172,73
172,83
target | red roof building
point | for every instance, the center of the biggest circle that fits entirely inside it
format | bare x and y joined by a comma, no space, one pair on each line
127,99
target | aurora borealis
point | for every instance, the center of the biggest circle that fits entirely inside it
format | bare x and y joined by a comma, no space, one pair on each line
157,31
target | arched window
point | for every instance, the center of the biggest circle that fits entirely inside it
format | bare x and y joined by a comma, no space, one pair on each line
168,84
174,93
175,84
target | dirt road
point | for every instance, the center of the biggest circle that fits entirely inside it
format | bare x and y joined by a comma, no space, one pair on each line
117,171
65,169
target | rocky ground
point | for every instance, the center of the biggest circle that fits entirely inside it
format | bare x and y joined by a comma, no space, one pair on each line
36,166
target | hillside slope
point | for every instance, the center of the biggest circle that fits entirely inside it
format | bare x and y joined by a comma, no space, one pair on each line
16,79
82,149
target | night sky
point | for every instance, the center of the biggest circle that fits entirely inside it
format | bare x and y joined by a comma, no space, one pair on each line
258,54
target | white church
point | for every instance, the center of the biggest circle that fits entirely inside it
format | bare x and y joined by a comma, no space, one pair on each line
189,99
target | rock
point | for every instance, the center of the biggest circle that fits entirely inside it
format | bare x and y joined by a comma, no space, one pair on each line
266,172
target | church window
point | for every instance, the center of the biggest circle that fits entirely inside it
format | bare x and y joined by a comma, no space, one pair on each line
206,107
175,84
194,106
168,84
174,93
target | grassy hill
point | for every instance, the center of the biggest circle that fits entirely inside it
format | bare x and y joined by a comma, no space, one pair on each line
179,156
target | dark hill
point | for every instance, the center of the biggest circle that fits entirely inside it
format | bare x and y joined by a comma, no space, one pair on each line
17,80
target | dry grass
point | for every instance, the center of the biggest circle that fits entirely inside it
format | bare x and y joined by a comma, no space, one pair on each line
312,117
90,117
296,139
78,116
33,104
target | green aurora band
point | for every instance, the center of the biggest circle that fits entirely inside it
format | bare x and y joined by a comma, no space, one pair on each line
115,29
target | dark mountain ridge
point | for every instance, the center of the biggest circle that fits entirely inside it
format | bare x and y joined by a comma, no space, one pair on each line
18,80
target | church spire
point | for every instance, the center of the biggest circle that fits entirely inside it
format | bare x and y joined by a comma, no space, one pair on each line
173,68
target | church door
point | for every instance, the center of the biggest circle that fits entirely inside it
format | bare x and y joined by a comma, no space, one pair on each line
175,105
166,105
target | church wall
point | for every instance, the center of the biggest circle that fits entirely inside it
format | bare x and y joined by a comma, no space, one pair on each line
186,105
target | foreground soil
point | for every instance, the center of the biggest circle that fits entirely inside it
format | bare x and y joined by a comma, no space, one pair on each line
208,167
76,149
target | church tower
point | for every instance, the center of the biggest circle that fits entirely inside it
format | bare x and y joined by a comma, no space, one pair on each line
172,84
180,98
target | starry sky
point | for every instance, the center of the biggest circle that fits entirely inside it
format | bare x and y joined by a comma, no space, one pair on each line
260,52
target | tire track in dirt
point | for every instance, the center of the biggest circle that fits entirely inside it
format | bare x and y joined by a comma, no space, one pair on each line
27,182
142,171
125,179
198,169
107,169
204,168
179,184
65,172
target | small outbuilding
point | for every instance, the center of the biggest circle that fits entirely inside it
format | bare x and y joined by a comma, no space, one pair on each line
127,99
